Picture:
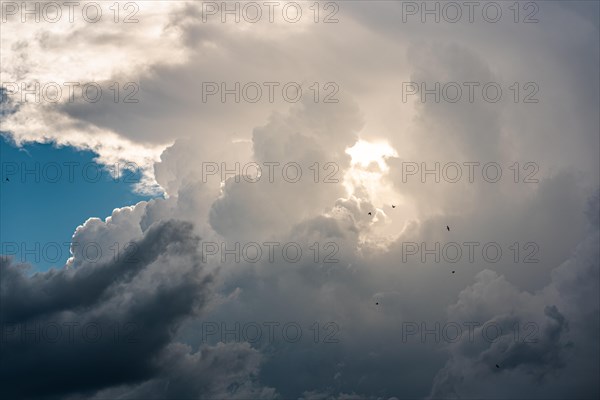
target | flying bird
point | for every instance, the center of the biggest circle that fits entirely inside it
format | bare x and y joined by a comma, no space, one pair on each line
393,206
447,227
497,366
377,303
453,271
370,213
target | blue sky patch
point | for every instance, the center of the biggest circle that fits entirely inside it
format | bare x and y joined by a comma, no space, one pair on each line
47,191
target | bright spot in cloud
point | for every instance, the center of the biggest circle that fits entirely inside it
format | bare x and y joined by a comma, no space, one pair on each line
367,173
364,153
368,166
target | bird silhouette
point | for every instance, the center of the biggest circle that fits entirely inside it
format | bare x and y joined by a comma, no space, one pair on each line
393,206
377,303
370,213
447,227
497,366
7,180
453,271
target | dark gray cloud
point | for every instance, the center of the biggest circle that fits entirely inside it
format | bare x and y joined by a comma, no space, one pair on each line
96,326
160,296
559,322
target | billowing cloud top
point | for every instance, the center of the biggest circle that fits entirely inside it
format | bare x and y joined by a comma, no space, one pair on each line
354,200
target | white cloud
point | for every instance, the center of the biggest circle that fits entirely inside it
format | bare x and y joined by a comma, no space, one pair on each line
174,135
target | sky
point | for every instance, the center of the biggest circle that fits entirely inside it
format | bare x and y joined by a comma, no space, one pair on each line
50,191
300,200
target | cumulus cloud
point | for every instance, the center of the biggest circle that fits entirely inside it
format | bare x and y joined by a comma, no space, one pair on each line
68,53
220,371
558,321
363,308
113,323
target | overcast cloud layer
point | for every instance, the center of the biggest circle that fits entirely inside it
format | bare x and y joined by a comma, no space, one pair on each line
169,314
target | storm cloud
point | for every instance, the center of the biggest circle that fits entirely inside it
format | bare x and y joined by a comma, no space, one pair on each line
310,249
